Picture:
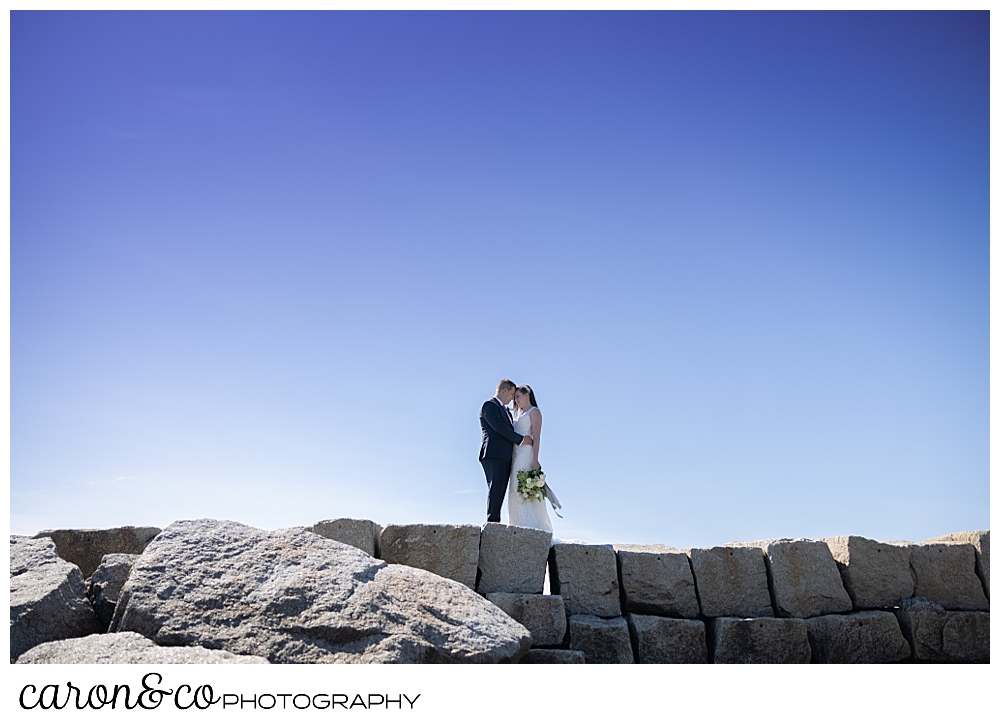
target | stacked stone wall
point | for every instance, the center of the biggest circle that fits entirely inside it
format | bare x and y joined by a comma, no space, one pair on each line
847,599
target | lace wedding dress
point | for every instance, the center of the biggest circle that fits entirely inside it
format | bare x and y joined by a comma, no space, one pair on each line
525,513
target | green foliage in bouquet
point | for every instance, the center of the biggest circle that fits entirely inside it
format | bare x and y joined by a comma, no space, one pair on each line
531,484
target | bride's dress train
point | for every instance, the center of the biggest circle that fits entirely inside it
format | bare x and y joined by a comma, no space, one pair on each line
525,513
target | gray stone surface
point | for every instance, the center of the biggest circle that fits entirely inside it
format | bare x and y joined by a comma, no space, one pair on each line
658,640
361,534
553,656
128,648
586,576
295,597
946,574
87,547
602,640
731,581
48,598
980,540
865,637
106,584
760,641
657,580
543,616
803,578
512,559
875,575
451,551
945,636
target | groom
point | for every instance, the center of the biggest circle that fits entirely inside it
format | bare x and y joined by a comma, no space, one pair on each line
497,451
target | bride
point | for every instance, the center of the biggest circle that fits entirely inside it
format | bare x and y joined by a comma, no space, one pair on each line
526,513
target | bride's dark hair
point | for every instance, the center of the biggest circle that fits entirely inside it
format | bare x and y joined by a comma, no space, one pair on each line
525,390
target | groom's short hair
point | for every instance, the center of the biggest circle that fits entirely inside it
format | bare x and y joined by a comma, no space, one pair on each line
505,384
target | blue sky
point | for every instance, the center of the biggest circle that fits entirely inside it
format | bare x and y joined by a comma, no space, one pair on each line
267,266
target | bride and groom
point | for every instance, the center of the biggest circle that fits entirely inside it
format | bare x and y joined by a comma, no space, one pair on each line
510,445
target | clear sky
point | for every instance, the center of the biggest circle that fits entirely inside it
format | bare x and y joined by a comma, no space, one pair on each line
267,267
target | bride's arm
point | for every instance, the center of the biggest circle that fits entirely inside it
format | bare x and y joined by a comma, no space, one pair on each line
536,433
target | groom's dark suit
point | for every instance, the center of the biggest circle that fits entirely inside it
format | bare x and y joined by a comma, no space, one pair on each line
496,453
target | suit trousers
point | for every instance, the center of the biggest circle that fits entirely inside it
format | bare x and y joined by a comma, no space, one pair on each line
497,475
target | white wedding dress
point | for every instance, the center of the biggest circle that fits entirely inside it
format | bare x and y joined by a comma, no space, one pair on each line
525,513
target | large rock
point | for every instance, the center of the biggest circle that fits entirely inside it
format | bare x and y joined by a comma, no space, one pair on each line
361,534
946,574
865,637
106,585
451,551
804,578
128,648
553,656
945,636
980,540
586,576
659,640
760,641
875,575
295,597
543,616
87,547
512,559
48,598
731,581
657,580
602,640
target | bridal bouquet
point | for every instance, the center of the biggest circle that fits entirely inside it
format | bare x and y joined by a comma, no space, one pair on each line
531,484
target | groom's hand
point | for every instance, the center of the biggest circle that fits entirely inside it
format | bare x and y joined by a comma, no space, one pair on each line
527,441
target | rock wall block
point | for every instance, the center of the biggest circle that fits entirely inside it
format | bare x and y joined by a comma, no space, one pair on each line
875,575
451,551
731,581
602,640
657,580
586,576
553,656
946,574
945,636
980,540
865,637
512,559
760,641
362,534
804,578
87,547
543,616
659,640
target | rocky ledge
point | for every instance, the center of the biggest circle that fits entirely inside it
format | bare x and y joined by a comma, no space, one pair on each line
127,648
292,596
211,591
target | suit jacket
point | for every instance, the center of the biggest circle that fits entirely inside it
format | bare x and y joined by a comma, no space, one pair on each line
499,437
